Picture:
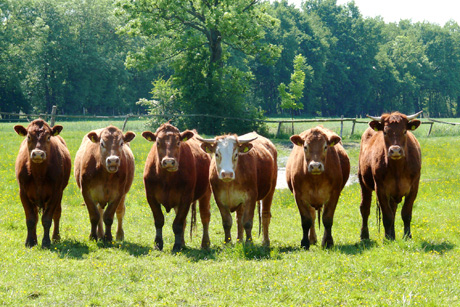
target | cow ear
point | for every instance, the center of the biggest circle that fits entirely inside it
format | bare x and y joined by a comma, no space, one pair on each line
296,140
93,137
245,147
375,125
20,130
149,136
208,148
129,136
186,135
56,130
333,140
413,124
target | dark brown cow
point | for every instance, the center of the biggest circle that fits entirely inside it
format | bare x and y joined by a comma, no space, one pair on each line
243,171
175,175
42,170
389,163
316,172
104,171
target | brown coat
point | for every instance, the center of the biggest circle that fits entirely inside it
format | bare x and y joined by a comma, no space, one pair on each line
242,173
389,163
104,171
316,172
175,176
42,170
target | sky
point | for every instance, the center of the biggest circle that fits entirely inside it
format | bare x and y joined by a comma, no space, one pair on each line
433,11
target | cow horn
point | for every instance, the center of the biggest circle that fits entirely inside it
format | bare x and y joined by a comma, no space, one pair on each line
375,118
242,141
210,141
413,116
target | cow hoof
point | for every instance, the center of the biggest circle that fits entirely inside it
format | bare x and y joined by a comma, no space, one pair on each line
327,244
205,244
93,237
159,244
305,244
31,243
120,236
108,238
56,238
46,244
177,248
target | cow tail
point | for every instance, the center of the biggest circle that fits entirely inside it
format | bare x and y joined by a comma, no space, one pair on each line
378,214
259,210
193,220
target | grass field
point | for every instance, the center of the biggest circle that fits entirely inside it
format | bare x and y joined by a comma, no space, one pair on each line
423,271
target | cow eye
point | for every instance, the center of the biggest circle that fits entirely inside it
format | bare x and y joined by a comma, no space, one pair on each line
28,138
305,147
217,155
405,131
48,138
102,145
325,147
178,143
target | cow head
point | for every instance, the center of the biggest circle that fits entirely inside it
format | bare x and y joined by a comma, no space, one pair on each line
168,141
39,135
315,143
227,149
394,127
111,141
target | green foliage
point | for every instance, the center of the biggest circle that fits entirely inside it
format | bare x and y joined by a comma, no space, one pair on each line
289,100
353,273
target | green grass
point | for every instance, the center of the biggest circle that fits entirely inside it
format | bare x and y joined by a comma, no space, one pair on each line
423,271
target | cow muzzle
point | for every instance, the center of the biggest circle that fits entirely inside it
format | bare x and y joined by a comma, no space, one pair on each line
395,152
37,156
112,163
315,168
170,164
227,176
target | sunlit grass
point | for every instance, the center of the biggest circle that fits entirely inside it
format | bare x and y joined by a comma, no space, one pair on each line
423,271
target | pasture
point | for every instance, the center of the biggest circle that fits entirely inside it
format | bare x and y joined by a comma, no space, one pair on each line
423,271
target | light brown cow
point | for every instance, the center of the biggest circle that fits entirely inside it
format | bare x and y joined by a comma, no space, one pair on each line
175,175
316,172
389,163
104,171
243,171
42,170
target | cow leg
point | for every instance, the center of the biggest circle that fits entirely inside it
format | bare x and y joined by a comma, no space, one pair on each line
307,220
93,212
248,219
226,221
406,211
158,218
239,223
205,215
266,217
109,213
56,219
47,219
387,215
120,215
328,220
100,224
179,226
312,232
365,208
31,220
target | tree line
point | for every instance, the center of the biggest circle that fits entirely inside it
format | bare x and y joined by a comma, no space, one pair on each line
223,57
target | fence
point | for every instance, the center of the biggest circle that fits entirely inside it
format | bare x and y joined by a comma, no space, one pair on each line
354,121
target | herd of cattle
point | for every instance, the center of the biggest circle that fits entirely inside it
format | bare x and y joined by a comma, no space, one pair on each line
240,171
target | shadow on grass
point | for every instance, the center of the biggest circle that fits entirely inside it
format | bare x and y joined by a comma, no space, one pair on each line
133,249
70,249
357,248
440,248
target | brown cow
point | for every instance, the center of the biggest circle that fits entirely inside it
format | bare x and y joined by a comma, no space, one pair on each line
42,170
243,171
104,171
316,172
175,175
389,163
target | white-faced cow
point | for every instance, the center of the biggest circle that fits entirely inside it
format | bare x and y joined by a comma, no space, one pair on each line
243,171
389,163
104,171
316,172
42,170
175,176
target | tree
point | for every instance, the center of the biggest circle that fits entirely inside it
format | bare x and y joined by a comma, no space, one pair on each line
204,35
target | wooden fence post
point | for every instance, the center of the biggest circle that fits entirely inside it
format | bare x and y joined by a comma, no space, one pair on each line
431,127
124,124
279,129
341,126
353,127
53,116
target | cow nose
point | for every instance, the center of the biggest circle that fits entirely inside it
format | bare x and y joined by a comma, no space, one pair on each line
315,168
395,152
113,161
169,163
227,175
38,156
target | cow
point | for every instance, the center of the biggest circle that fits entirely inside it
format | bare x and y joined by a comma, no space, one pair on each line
316,172
42,171
243,171
389,164
175,176
104,171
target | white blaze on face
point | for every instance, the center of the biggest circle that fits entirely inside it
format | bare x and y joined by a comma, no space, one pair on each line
226,158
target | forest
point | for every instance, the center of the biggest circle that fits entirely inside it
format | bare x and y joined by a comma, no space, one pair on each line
245,58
